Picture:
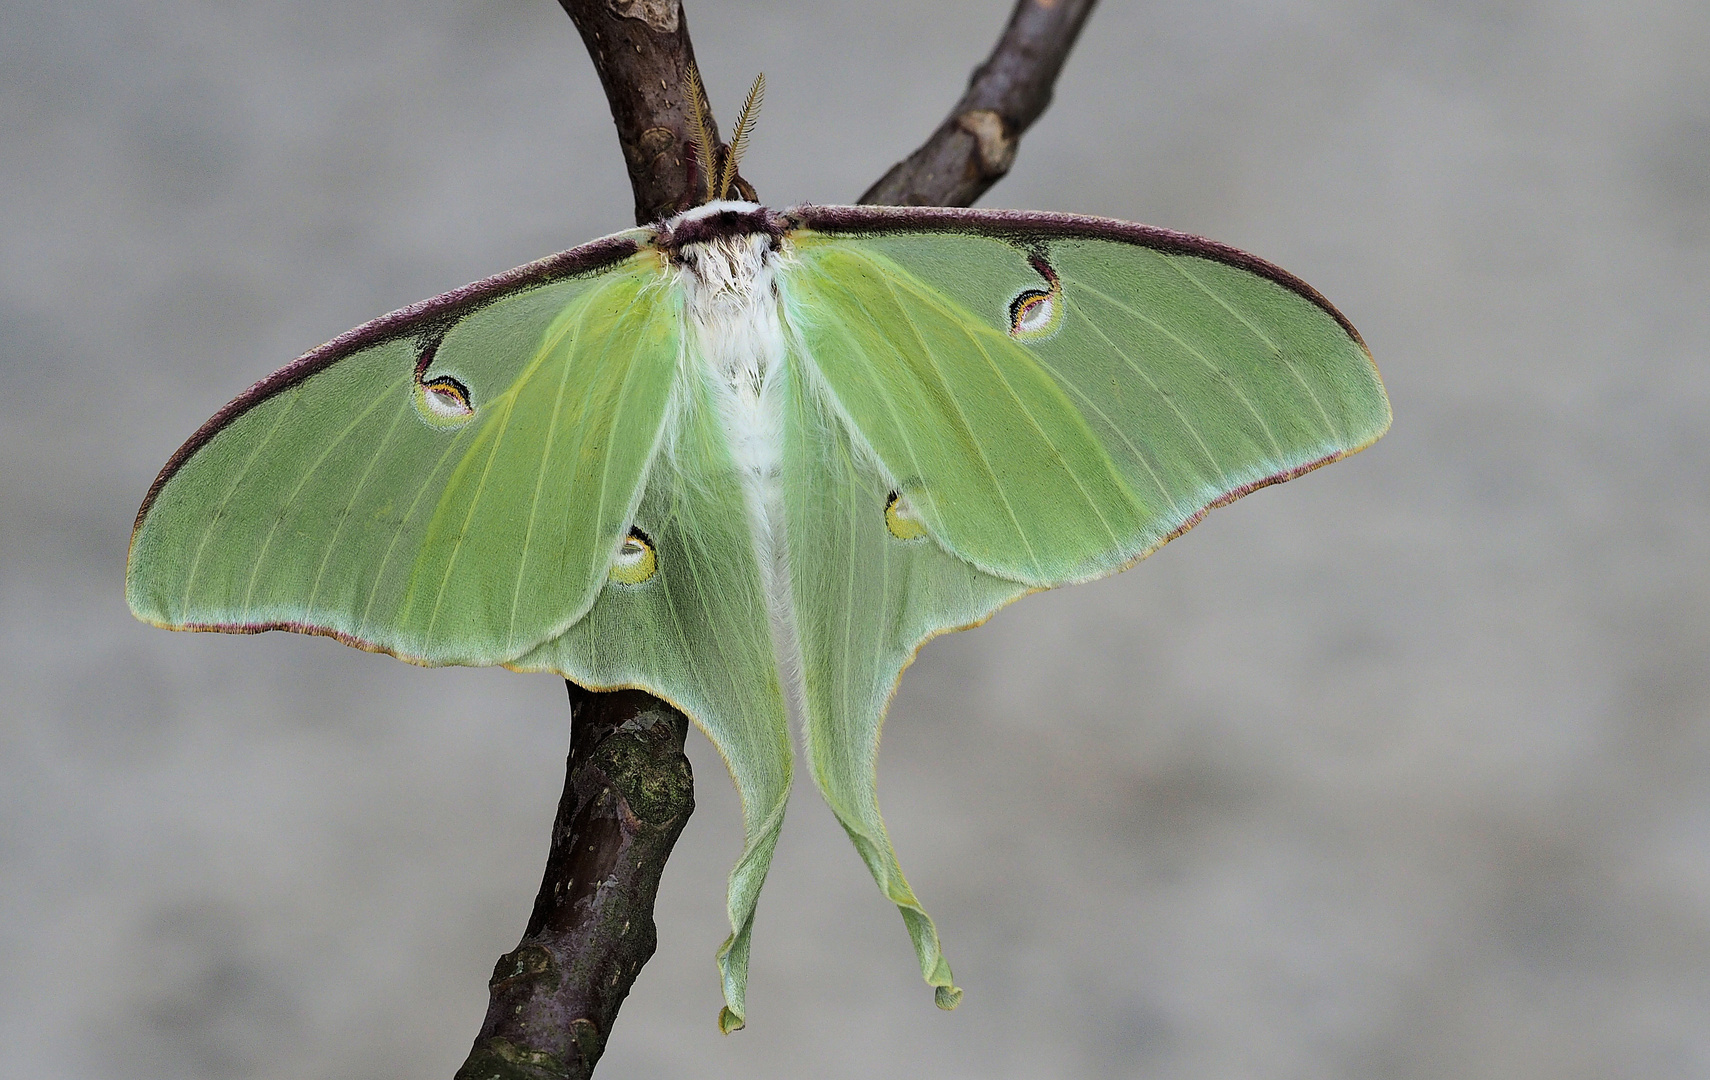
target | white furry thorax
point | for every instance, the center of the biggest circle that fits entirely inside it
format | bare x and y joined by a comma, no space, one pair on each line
731,305
735,332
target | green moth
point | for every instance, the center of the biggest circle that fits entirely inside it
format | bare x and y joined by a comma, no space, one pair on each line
749,461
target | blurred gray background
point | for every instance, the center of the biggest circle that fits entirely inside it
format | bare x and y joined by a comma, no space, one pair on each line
1400,770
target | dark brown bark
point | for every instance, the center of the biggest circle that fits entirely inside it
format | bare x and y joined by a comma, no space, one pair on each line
642,52
628,790
975,145
628,795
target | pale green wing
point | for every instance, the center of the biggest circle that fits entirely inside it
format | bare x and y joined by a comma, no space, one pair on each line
975,404
449,484
1173,374
864,599
1163,379
696,632
452,484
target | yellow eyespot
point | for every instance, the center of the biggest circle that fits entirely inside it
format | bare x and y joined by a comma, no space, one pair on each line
901,519
443,402
636,561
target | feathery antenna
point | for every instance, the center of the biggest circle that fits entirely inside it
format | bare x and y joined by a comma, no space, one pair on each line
700,111
739,139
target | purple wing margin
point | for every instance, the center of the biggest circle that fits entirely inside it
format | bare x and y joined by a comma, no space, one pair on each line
425,318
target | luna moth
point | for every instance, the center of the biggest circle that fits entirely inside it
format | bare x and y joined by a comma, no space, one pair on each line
749,461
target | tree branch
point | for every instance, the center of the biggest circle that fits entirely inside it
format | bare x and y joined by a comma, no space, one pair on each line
642,51
975,145
627,796
628,789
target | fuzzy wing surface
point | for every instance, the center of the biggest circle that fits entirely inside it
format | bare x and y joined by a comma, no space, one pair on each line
864,600
698,634
1172,383
331,499
1177,380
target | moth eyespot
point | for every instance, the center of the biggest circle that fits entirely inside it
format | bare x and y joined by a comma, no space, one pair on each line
1033,313
444,402
1036,314
901,519
636,561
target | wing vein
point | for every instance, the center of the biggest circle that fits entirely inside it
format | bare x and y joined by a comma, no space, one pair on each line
398,533
361,482
1056,452
606,467
853,523
574,335
1139,370
285,508
962,416
207,534
1221,375
1329,424
1123,435
890,402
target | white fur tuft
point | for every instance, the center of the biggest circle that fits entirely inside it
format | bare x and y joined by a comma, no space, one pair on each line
714,207
734,322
